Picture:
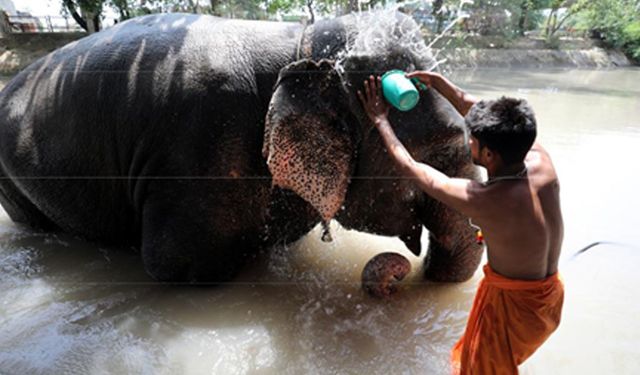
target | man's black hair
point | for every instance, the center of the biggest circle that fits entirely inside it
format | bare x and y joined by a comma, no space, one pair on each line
506,126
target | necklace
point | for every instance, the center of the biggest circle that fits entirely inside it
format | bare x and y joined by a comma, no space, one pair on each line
516,176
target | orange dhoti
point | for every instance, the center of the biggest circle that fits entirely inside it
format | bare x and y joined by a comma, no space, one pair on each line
509,320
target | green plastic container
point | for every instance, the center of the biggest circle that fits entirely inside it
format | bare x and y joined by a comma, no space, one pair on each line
399,91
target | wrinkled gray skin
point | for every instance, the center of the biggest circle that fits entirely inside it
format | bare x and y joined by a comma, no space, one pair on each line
153,134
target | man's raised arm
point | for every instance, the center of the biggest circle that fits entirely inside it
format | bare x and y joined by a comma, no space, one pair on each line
455,95
458,193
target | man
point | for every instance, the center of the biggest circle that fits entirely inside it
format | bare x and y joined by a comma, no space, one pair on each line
519,300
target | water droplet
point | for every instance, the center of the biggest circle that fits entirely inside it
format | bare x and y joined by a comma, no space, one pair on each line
328,310
326,234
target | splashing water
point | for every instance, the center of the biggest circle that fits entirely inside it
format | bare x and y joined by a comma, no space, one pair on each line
386,33
381,35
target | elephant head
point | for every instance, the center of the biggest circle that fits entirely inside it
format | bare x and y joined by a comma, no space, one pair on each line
319,143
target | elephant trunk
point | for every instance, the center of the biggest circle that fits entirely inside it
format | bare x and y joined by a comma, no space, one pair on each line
381,275
455,261
454,253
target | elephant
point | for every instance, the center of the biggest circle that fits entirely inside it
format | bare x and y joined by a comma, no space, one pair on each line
202,141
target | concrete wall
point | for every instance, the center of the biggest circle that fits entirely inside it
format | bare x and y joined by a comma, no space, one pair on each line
534,58
19,50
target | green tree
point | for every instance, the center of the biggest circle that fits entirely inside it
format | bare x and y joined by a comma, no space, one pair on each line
529,14
443,11
273,6
491,17
506,17
85,12
125,10
438,13
556,19
617,22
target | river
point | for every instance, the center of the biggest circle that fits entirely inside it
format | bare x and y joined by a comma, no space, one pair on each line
72,307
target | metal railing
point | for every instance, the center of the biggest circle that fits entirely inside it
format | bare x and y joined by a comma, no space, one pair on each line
42,24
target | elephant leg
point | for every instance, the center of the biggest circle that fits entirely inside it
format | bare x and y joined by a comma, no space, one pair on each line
187,240
19,208
453,254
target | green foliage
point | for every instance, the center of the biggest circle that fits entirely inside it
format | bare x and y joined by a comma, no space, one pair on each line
527,14
275,6
631,37
95,6
617,22
508,18
247,9
556,18
85,12
489,17
531,12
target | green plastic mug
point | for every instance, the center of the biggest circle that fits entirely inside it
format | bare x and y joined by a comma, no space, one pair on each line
399,91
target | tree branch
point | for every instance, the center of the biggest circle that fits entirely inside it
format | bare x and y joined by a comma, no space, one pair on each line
313,16
558,25
74,13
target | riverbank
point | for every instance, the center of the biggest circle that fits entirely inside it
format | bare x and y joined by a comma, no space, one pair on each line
20,50
526,53
544,58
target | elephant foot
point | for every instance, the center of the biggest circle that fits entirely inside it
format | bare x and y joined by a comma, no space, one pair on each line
382,274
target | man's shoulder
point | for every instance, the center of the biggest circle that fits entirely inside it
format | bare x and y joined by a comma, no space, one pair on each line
540,167
539,156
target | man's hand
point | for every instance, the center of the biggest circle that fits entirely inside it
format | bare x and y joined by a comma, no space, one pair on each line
373,102
460,99
425,77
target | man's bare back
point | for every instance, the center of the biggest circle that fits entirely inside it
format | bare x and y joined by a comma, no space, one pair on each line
525,213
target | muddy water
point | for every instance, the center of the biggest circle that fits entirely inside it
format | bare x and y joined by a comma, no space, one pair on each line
67,306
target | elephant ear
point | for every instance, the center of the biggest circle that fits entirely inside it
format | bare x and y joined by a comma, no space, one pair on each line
307,144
